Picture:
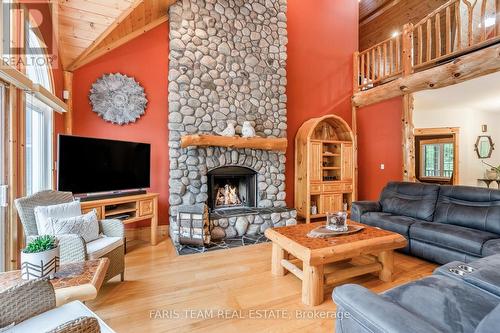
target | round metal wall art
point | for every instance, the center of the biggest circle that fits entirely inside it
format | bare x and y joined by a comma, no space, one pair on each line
118,98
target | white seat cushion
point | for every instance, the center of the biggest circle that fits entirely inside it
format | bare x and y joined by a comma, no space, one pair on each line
58,316
99,247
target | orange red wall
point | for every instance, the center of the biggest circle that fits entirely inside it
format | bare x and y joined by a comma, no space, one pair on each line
379,142
323,36
146,59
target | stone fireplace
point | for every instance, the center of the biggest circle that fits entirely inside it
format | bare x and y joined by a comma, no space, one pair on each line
227,64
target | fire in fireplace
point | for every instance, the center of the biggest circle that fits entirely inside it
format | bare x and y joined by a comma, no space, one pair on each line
231,187
228,195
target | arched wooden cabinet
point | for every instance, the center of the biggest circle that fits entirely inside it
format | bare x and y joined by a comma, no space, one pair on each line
324,167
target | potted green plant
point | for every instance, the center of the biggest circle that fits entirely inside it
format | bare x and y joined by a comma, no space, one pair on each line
40,258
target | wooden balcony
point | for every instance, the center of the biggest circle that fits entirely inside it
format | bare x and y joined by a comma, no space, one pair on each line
457,28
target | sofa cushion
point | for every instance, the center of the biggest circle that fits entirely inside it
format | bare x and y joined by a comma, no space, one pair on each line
415,200
386,221
99,247
55,317
491,247
451,236
361,310
489,324
439,254
447,304
471,207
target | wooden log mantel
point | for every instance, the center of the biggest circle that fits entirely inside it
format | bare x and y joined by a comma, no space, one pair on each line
205,140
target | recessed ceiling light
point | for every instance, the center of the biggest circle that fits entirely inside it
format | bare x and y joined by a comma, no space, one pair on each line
395,34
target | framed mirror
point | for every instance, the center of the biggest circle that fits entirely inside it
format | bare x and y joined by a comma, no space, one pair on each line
484,146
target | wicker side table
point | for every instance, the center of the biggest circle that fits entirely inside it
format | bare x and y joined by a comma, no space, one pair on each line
74,281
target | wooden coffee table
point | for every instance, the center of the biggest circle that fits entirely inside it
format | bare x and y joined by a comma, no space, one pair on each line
316,255
74,281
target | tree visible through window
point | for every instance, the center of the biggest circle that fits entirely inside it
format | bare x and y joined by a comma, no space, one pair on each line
437,158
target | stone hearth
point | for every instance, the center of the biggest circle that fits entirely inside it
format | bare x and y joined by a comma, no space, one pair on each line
227,64
250,223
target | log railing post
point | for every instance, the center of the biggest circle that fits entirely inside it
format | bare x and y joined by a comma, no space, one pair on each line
407,116
68,116
408,143
407,45
357,79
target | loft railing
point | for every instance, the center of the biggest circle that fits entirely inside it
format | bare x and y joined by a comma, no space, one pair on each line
379,62
455,28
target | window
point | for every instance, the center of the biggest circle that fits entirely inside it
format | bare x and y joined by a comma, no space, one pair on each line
38,146
437,158
38,127
3,159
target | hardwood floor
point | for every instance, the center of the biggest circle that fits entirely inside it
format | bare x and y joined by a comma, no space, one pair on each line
164,292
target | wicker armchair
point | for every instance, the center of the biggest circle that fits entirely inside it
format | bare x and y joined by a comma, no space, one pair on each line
31,307
73,247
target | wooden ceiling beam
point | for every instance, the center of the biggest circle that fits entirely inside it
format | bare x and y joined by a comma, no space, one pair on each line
106,32
110,47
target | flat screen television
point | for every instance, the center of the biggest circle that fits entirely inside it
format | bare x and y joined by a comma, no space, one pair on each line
89,165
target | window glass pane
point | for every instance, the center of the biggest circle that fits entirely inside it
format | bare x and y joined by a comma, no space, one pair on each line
38,70
38,125
448,160
438,160
38,146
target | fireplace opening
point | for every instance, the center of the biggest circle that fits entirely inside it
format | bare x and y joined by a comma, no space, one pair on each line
231,187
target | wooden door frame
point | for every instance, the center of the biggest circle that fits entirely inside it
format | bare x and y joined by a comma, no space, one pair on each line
455,133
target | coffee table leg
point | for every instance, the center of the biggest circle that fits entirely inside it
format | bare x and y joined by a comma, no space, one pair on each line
386,258
278,254
312,285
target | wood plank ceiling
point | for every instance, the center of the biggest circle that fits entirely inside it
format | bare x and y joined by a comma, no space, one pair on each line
379,19
369,8
90,28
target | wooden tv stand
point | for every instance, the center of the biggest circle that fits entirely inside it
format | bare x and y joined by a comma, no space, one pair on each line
138,207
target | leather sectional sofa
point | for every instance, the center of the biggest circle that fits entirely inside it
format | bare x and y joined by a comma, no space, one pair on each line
442,223
458,297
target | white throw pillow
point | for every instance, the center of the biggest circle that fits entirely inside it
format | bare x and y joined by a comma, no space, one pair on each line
85,225
43,213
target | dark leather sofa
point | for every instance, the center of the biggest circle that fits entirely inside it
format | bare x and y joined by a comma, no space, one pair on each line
458,298
442,223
